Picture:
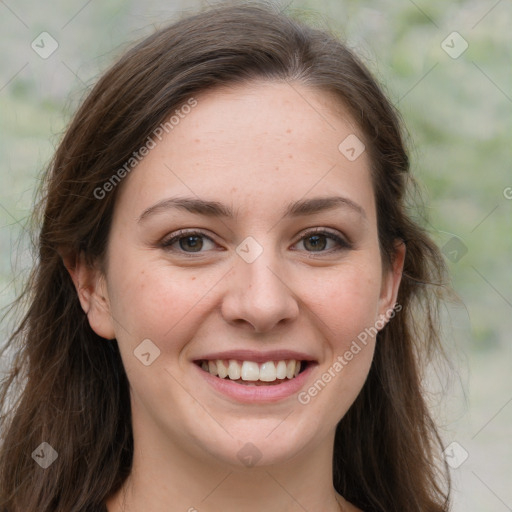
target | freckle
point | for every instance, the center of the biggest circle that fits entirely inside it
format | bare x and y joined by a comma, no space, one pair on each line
197,140
193,278
234,189
277,168
290,156
289,130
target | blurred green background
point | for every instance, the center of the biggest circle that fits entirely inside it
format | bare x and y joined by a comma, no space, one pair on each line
456,103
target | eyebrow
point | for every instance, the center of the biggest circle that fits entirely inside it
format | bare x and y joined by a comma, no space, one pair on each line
216,209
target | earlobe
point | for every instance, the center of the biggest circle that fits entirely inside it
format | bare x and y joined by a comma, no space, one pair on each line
92,293
76,268
391,281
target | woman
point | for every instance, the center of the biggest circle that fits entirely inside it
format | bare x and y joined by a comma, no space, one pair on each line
231,303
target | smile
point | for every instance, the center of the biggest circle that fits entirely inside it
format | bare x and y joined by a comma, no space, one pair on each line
250,373
243,381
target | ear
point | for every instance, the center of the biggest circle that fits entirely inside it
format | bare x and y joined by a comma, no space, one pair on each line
391,282
90,285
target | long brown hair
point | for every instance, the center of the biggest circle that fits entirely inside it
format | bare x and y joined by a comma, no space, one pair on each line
67,386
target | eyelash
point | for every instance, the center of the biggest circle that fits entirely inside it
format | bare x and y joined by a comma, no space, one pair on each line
343,244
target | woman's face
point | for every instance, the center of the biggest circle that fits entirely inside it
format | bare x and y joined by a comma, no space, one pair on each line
276,258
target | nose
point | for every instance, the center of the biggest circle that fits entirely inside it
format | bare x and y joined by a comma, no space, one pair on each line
259,295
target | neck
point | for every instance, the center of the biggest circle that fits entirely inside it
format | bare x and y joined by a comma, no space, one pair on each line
167,477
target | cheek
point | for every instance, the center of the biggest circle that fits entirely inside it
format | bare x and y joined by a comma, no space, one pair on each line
155,302
348,303
347,319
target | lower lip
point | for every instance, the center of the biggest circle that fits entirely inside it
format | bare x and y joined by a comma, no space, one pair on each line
257,394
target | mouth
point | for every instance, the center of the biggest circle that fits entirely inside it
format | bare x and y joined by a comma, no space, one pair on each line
251,373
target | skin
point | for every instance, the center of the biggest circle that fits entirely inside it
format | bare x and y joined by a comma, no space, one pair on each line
254,148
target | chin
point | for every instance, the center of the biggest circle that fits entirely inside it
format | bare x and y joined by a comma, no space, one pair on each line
257,447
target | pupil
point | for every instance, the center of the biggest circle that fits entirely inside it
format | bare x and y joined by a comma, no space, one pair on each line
194,245
315,243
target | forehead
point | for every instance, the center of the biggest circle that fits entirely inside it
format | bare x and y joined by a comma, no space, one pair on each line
264,142
277,114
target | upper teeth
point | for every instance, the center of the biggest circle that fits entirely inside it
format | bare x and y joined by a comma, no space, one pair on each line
251,371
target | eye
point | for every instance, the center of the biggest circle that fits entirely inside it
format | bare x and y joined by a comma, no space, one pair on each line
317,241
190,242
193,240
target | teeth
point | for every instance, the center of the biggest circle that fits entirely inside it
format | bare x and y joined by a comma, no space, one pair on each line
222,369
234,370
281,370
268,372
250,371
290,369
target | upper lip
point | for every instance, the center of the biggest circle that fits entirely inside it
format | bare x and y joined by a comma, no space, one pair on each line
257,356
